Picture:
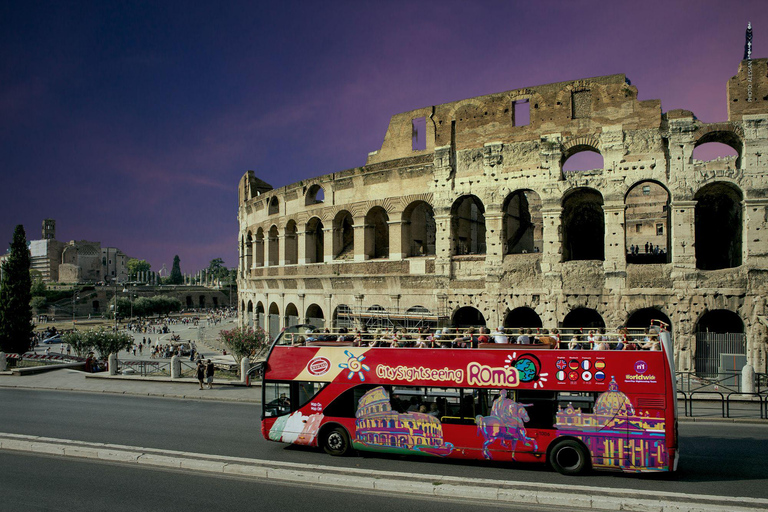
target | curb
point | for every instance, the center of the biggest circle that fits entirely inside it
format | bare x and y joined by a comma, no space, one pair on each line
503,492
144,393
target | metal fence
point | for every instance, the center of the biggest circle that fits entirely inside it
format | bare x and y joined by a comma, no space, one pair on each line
722,396
719,353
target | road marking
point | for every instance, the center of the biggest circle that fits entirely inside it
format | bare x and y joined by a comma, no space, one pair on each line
518,493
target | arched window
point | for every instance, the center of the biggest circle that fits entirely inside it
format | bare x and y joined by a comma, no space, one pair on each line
718,226
719,144
343,236
468,226
377,233
419,229
468,316
585,160
258,248
315,315
248,254
291,314
249,315
274,247
583,317
642,318
274,320
343,317
583,225
522,317
720,344
523,223
274,206
291,243
314,241
315,195
260,317
646,232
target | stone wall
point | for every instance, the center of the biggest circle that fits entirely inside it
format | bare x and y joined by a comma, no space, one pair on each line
300,252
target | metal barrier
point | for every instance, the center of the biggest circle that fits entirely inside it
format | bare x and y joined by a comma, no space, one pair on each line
725,390
146,368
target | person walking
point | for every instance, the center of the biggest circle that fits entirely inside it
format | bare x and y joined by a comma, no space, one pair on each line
209,370
200,372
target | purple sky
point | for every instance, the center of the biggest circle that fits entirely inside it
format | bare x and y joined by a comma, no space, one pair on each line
131,123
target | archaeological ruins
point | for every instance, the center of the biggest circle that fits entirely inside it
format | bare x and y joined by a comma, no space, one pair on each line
469,215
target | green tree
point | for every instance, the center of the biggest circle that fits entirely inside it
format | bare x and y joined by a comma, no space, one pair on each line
176,277
80,342
244,341
15,296
38,303
135,266
38,285
108,342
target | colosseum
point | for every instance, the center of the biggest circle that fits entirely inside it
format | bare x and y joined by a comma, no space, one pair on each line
468,215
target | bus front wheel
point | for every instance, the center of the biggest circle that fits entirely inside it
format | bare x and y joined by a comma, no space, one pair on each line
336,442
569,457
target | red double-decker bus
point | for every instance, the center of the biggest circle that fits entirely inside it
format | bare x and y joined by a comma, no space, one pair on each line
575,409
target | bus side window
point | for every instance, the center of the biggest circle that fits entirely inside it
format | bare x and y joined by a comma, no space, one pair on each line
584,401
277,398
306,391
345,405
540,407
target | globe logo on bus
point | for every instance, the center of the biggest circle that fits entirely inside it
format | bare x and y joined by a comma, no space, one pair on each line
526,369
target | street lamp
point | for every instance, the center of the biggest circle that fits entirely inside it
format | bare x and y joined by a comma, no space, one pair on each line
130,297
75,298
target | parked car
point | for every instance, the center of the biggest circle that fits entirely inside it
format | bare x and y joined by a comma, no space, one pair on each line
56,338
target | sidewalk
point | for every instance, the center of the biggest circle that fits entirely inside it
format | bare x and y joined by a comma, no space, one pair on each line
74,380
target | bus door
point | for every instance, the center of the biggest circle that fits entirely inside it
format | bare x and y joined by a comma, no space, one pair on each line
283,400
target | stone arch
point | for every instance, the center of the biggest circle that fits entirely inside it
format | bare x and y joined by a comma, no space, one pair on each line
343,317
642,318
377,233
646,223
721,344
583,225
188,301
258,248
581,154
315,195
291,315
723,135
273,321
719,224
248,253
419,229
523,224
260,317
314,241
343,236
522,317
273,252
468,226
468,316
583,317
315,315
274,206
291,243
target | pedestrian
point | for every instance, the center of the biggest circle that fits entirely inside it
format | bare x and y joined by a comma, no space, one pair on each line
209,370
200,372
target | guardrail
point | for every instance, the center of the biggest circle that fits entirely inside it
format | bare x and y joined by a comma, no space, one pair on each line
723,394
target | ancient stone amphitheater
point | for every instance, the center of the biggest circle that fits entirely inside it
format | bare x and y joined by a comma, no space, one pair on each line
470,215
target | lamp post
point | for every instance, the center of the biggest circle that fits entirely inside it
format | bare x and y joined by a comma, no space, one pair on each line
130,297
75,298
114,299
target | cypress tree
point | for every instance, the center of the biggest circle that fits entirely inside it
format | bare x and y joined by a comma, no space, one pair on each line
176,277
15,296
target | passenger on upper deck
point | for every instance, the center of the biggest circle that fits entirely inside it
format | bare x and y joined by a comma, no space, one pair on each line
499,336
523,338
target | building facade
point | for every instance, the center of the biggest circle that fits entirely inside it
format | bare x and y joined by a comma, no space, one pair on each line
465,216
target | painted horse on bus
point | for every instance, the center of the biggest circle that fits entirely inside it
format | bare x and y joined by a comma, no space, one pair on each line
505,424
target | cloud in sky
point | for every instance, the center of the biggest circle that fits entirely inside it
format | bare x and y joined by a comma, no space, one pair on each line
132,123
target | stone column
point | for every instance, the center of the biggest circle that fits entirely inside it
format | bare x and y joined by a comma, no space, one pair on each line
615,240
175,367
552,252
494,244
3,362
682,233
359,233
112,364
755,234
302,235
245,365
396,249
443,241
328,244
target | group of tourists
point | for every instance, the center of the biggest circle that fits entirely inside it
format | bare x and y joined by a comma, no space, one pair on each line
204,372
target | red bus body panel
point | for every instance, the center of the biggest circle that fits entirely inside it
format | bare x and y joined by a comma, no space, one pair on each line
632,426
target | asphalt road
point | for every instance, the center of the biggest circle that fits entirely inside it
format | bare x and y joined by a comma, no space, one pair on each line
41,483
724,459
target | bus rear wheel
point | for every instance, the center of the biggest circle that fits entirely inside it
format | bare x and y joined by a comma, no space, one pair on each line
568,457
336,442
